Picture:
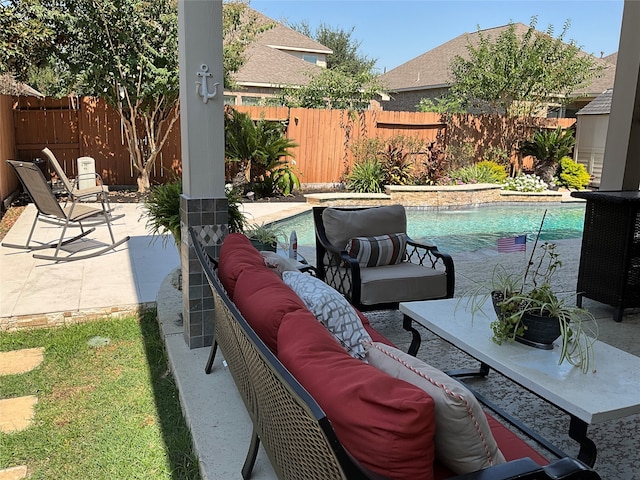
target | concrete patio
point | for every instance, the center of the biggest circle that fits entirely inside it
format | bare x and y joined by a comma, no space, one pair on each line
141,272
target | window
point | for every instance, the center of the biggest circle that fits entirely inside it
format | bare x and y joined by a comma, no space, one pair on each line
310,58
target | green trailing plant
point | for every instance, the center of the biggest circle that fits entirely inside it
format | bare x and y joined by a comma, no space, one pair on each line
516,295
366,176
548,147
572,174
162,207
265,236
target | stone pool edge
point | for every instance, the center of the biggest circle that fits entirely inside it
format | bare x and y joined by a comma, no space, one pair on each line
439,196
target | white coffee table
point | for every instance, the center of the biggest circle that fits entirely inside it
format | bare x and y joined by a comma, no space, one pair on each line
610,391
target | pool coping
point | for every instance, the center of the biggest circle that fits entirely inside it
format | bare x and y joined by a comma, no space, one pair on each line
439,196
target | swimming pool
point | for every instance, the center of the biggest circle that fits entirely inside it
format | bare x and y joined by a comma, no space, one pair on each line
467,230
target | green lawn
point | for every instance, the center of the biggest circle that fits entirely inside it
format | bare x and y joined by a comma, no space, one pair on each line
104,412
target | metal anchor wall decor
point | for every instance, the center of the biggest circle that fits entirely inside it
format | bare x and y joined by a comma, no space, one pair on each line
202,87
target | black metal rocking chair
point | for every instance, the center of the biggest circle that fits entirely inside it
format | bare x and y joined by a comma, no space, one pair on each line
50,210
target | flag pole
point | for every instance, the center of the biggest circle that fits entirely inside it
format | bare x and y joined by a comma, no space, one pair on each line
535,244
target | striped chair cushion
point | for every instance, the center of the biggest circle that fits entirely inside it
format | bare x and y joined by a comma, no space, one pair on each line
378,251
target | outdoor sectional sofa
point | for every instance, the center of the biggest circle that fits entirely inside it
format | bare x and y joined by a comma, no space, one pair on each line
322,403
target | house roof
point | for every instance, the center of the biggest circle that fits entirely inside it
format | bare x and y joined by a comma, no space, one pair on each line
284,38
431,69
9,86
267,66
267,61
601,105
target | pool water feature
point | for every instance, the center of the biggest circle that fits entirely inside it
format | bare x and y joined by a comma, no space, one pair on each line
471,229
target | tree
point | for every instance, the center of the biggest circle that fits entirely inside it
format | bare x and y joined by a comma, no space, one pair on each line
345,56
126,52
333,89
516,75
26,37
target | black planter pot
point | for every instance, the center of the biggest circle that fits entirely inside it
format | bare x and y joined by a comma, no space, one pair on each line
260,246
539,331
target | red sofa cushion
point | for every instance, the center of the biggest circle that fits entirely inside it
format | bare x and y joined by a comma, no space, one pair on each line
263,299
512,446
236,253
386,424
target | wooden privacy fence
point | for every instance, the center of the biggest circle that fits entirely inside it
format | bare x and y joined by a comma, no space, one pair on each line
8,180
84,126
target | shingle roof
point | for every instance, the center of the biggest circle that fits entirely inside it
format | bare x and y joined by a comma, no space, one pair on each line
601,105
267,61
431,69
285,38
268,66
9,86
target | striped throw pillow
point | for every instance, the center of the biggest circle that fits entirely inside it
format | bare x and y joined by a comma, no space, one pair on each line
378,251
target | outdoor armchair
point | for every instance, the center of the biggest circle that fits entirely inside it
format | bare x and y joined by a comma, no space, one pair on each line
72,187
50,211
365,254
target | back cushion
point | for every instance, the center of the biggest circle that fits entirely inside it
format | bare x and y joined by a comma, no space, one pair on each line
236,253
263,300
332,309
464,442
386,424
341,225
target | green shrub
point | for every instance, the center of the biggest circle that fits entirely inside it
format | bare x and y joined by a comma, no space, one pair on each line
162,205
572,174
366,176
481,172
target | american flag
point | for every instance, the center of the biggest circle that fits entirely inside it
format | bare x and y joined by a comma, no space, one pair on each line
512,244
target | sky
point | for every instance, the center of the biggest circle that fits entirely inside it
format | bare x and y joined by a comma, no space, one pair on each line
394,32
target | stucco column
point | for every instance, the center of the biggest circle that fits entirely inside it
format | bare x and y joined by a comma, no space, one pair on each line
203,204
621,167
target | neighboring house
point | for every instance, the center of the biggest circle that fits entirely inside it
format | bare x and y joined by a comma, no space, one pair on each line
591,135
428,75
278,57
9,86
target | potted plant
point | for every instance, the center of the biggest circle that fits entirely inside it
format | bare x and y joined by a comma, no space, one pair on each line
264,237
162,206
529,311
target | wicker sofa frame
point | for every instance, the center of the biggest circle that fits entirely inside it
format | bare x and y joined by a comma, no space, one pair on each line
293,429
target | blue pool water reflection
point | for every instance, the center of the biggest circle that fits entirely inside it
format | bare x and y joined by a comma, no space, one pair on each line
467,230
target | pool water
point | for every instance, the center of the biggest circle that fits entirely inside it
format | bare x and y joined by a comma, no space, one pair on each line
467,230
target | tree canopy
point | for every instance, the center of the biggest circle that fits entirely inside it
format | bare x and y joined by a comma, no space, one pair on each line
515,75
346,56
26,37
124,51
333,89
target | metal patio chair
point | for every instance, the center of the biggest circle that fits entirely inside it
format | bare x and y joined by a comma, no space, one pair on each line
72,188
49,210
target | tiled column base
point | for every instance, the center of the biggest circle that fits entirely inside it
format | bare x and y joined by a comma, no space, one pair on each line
209,218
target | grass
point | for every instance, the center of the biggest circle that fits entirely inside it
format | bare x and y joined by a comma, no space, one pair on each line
103,412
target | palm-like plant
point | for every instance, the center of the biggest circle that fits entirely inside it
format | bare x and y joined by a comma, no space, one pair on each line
548,147
259,148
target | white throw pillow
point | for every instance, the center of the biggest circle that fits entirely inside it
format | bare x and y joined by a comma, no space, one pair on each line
464,442
332,310
276,262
